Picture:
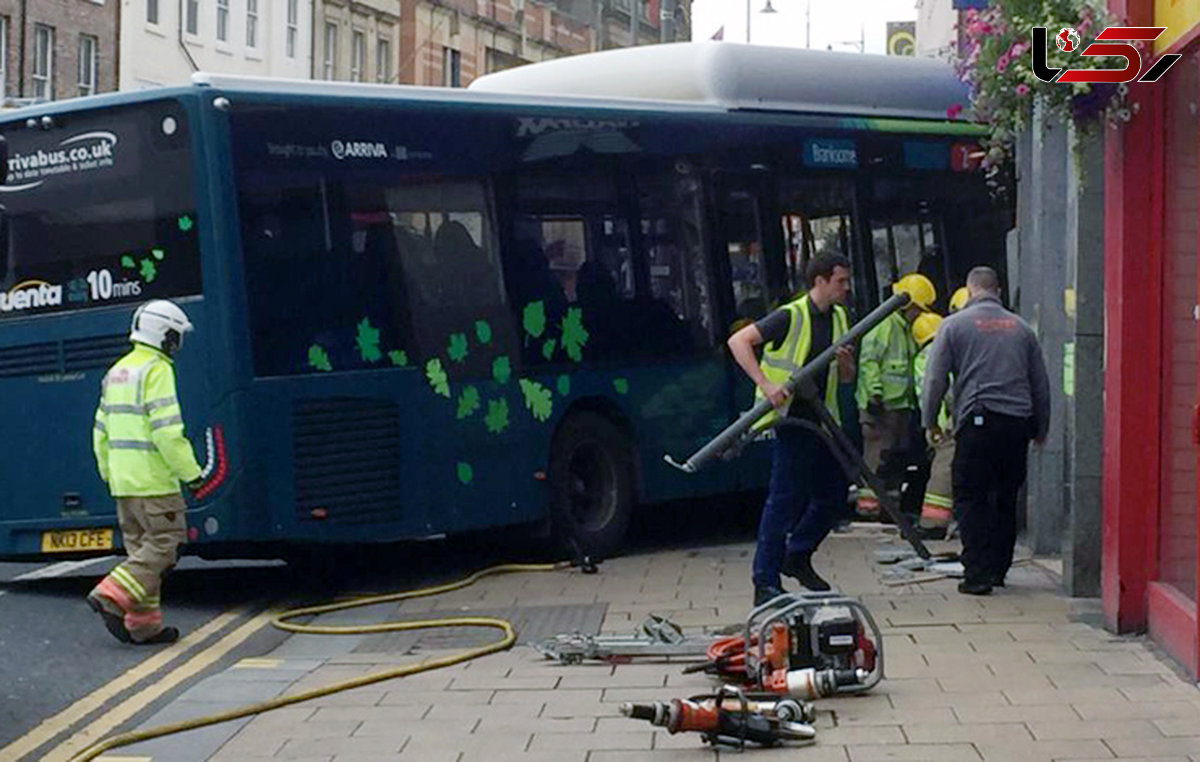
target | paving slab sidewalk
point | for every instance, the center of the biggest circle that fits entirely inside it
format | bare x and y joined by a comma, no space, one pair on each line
1011,676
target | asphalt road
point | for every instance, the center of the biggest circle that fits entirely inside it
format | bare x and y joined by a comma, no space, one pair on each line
55,651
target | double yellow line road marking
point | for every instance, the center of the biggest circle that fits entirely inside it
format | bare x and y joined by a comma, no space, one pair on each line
113,717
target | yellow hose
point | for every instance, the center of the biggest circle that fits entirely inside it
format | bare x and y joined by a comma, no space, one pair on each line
125,739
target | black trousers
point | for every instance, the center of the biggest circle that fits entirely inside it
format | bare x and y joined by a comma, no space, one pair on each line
988,470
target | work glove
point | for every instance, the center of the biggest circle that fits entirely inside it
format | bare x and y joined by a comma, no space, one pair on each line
194,485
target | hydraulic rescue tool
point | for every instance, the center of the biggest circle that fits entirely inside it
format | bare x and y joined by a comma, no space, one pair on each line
730,716
805,391
802,645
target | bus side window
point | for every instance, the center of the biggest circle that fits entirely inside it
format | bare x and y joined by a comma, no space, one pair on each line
678,317
816,220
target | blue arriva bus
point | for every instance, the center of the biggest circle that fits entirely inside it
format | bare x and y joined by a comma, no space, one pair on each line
423,311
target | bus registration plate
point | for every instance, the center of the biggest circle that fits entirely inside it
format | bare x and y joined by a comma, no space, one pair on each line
71,540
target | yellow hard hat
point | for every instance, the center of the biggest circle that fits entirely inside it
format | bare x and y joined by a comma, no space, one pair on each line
919,288
925,327
959,299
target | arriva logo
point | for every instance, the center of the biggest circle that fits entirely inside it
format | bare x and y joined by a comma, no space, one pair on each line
358,149
31,294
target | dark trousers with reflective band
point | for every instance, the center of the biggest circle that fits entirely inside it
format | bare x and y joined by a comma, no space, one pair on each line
990,456
807,496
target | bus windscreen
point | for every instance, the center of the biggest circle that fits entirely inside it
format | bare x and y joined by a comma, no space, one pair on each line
98,209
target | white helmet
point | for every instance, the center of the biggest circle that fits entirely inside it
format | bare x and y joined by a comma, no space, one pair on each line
160,324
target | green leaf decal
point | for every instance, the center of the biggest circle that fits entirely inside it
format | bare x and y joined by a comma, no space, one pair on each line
149,271
564,385
398,357
437,377
468,402
368,341
483,331
457,350
158,254
538,399
318,358
534,319
186,223
574,335
501,370
465,473
548,348
128,261
621,385
497,415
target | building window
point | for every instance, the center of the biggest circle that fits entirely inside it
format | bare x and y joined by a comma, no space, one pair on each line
383,61
358,56
43,62
3,58
293,27
152,11
193,17
330,50
452,68
87,64
252,23
223,20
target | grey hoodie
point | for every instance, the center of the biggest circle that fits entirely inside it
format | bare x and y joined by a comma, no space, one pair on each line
996,363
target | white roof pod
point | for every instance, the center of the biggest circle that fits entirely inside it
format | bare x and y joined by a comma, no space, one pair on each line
736,76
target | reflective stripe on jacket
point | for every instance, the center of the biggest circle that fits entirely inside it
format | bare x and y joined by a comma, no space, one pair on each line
944,422
885,366
137,435
785,358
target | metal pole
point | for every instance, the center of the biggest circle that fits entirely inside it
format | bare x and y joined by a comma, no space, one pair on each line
633,25
747,21
732,436
808,25
666,21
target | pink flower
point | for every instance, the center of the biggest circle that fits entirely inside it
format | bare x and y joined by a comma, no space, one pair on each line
1022,89
954,111
1002,63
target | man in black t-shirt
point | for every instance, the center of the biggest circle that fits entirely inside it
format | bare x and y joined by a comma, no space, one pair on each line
807,491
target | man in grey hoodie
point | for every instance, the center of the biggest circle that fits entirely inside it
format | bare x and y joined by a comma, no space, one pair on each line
1001,401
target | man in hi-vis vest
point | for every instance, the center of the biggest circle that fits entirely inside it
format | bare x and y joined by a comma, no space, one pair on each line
807,492
143,456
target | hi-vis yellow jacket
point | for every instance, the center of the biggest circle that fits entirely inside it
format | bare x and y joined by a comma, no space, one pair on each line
780,361
885,366
138,436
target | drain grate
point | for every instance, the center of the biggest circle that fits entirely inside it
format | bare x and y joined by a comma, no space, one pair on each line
532,624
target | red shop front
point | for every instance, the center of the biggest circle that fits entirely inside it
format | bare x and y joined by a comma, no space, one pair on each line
1151,562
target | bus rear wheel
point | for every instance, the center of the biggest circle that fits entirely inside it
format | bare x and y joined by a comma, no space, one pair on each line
591,486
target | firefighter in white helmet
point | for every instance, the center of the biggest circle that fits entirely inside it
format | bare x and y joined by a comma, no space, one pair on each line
143,456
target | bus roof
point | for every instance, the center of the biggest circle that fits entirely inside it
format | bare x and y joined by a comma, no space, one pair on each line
755,77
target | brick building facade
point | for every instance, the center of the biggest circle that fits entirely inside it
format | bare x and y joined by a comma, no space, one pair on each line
54,49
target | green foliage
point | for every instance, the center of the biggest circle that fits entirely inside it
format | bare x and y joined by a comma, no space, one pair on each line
318,358
368,341
501,370
996,64
457,349
128,261
534,319
465,473
538,399
398,357
621,385
574,335
564,385
496,419
437,377
468,402
483,331
548,348
149,271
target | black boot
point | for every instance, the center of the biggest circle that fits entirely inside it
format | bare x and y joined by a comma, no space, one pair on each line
764,594
799,567
165,635
975,588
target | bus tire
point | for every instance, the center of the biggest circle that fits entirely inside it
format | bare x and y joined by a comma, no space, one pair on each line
591,486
